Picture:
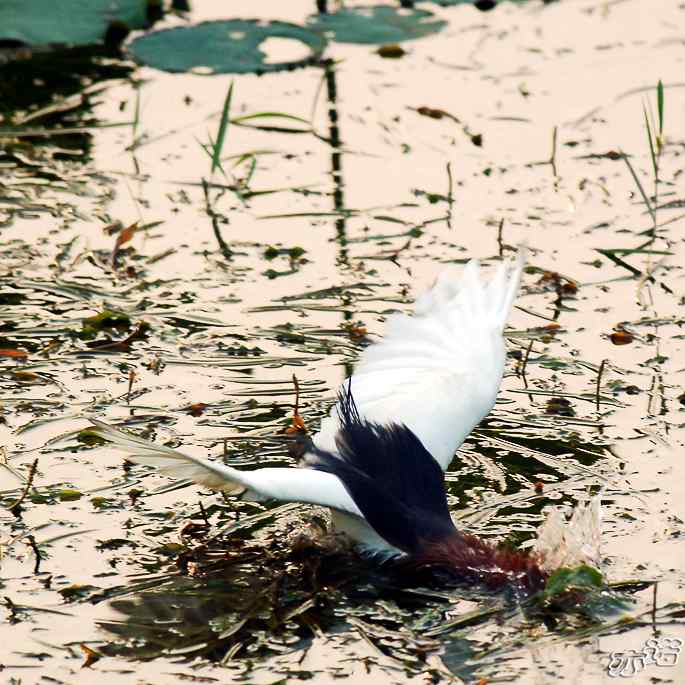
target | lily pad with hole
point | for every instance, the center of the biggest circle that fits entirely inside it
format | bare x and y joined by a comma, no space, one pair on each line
482,5
377,25
67,22
226,47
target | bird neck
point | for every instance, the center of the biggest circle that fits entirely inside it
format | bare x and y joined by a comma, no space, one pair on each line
468,558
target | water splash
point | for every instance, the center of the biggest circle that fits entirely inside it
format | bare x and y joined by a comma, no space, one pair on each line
561,543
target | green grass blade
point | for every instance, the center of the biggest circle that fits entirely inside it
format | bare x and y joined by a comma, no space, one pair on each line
136,116
660,105
622,252
206,147
223,129
210,150
619,262
645,199
271,115
650,138
250,173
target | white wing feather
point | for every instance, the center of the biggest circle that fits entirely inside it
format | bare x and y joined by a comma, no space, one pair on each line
439,371
284,484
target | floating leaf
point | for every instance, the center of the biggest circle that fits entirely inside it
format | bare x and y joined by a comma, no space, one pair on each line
391,51
197,409
101,502
432,113
124,236
294,253
568,579
76,591
107,318
559,406
67,22
224,47
26,377
621,338
91,656
69,495
15,354
115,543
357,332
90,437
482,5
298,425
140,333
171,549
380,25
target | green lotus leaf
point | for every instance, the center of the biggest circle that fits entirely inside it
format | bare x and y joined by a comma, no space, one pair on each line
223,47
66,22
377,25
582,577
483,5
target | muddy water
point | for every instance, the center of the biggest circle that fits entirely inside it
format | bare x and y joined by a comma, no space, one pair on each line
230,321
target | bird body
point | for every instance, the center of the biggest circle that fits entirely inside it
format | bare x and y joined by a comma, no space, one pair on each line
378,460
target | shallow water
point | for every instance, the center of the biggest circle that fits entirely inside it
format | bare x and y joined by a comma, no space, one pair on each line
231,320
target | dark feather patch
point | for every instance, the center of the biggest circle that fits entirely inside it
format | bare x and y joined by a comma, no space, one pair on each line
399,488
392,478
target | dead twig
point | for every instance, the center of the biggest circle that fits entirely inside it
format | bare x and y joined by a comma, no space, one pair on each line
599,381
203,513
450,194
214,217
131,378
298,424
500,245
36,551
525,363
553,157
14,508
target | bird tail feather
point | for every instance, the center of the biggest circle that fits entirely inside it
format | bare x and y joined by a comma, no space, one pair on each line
171,461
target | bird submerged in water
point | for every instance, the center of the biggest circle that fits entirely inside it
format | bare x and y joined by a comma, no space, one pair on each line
378,459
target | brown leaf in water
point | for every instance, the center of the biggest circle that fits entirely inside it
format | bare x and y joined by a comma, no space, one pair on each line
431,112
91,656
124,236
197,409
123,345
15,354
391,51
25,376
621,338
298,425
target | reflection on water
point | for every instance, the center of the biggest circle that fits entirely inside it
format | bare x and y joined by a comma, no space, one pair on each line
229,600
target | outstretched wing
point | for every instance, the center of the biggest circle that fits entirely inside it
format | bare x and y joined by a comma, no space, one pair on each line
437,372
284,484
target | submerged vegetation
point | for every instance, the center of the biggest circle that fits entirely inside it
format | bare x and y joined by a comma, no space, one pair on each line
176,246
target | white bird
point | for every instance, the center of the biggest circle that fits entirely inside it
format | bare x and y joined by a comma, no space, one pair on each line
378,459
